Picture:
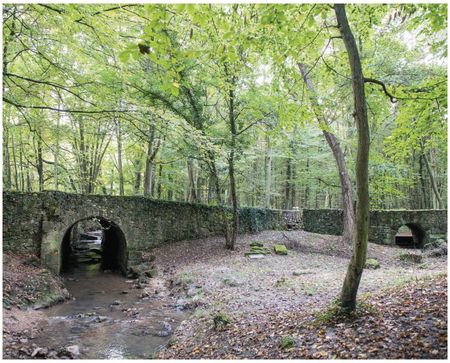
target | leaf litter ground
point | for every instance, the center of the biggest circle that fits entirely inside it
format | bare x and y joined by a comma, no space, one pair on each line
283,298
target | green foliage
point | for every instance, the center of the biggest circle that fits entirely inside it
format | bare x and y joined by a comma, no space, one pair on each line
221,320
117,74
287,341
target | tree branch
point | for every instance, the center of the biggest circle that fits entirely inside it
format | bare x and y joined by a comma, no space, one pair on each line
372,80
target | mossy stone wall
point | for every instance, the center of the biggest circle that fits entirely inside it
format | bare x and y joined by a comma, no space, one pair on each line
37,222
383,224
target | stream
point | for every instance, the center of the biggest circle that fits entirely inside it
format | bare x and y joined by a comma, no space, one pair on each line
108,318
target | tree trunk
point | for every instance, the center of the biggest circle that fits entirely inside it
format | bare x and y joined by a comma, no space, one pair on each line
288,185
234,203
357,262
159,187
192,182
346,184
16,174
151,154
39,162
215,177
6,161
137,175
119,158
422,183
267,173
169,187
432,177
56,154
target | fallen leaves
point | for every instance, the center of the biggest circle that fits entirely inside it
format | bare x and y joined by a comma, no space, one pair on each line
398,323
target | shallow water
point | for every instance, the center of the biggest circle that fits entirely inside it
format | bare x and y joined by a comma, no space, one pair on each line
102,329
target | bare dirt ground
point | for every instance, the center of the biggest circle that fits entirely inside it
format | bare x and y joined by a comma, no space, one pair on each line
259,295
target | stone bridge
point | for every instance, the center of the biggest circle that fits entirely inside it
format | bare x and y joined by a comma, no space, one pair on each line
41,223
425,225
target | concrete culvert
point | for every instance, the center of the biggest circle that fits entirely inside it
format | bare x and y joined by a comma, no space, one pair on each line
410,236
94,244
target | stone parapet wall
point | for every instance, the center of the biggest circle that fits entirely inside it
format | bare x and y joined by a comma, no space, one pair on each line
383,224
38,221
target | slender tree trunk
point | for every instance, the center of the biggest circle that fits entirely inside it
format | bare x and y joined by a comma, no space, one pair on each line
357,262
6,161
267,173
192,181
119,158
346,184
56,154
234,202
288,186
111,186
215,177
432,177
422,183
39,162
159,187
169,187
306,204
137,175
151,154
16,175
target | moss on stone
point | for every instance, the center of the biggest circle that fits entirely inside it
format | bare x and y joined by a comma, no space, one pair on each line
256,244
372,263
280,249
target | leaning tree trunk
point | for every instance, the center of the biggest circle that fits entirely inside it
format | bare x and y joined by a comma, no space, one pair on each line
431,174
356,266
348,232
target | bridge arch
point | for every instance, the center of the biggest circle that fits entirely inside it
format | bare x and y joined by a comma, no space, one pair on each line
114,252
410,235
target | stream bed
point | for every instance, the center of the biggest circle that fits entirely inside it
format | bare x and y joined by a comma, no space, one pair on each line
108,318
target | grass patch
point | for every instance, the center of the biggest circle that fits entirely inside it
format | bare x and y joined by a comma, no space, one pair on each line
410,258
221,320
335,313
287,341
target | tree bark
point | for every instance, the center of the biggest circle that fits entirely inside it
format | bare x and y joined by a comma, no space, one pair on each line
192,182
346,184
39,162
152,150
6,161
233,130
431,174
357,262
137,175
267,173
119,158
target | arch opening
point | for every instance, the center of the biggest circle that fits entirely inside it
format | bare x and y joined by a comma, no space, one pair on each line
410,235
94,244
